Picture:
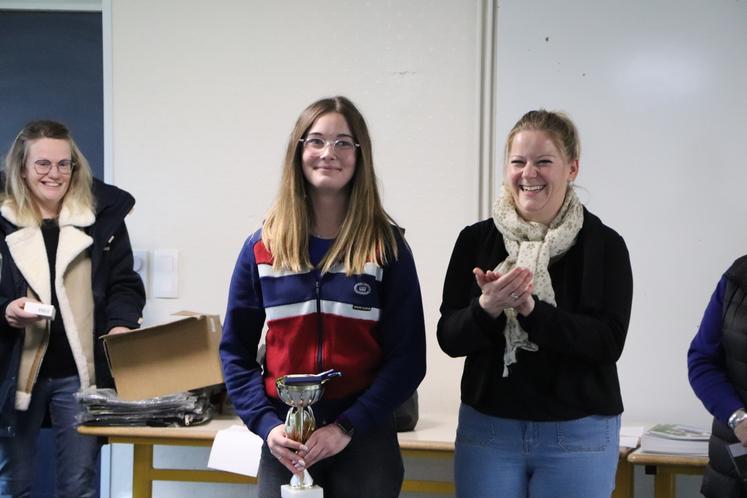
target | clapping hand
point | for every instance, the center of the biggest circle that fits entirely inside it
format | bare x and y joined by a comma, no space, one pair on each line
503,291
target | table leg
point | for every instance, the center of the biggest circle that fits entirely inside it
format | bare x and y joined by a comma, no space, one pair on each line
664,483
142,468
624,480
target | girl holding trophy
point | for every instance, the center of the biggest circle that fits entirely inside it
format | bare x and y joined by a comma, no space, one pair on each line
330,275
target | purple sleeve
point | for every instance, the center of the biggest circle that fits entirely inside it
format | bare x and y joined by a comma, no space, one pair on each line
707,365
242,330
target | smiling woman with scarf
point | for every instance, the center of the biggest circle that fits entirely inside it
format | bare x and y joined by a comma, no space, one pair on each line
538,301
63,242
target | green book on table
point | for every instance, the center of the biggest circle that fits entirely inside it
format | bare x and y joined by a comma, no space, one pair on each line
675,438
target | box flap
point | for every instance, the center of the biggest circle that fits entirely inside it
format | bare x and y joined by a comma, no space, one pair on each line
165,359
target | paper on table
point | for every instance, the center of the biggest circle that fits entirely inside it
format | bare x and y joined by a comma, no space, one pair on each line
630,436
236,450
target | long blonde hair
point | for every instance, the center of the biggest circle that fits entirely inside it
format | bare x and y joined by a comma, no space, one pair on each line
366,234
78,196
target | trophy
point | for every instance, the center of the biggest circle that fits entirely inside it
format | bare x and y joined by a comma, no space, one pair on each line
300,391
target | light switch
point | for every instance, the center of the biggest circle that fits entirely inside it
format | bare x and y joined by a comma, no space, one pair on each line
166,273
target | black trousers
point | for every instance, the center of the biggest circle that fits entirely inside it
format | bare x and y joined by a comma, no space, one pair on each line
370,466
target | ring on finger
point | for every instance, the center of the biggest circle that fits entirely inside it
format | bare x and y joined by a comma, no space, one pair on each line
514,296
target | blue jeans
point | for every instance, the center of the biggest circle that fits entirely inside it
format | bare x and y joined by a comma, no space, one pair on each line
498,457
76,455
370,465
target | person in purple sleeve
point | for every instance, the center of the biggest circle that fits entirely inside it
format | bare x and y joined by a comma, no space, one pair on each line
717,369
332,278
537,299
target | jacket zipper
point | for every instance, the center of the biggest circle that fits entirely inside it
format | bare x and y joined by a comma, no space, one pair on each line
320,328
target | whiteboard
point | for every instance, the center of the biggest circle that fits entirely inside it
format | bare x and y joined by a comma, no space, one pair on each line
657,90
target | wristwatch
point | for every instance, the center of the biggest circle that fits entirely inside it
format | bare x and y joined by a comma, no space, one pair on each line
345,426
737,417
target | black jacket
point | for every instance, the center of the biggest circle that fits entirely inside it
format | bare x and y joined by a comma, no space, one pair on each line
720,479
118,292
573,374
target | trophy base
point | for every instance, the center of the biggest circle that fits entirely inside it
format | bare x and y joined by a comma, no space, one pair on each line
287,491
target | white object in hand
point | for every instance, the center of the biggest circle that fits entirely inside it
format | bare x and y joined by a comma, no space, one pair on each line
39,309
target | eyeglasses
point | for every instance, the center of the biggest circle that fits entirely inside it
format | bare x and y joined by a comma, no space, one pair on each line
44,166
341,145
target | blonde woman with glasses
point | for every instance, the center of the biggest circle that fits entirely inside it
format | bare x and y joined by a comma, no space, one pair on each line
332,278
64,244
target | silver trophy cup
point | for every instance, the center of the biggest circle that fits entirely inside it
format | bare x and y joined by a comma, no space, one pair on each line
300,391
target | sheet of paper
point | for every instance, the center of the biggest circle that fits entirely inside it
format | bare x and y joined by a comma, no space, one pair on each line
630,436
236,450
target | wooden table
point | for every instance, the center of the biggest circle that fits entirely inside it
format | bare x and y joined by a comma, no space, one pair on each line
624,479
144,438
665,468
433,439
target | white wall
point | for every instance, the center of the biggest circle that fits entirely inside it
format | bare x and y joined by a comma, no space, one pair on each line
204,98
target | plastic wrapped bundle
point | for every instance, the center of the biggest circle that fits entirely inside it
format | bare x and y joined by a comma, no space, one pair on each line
102,407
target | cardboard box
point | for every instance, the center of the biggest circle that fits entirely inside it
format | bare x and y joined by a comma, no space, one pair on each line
165,359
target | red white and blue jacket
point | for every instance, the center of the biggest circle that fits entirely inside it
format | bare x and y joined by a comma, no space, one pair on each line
369,326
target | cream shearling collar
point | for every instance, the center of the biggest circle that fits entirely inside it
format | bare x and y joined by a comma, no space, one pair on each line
72,286
79,218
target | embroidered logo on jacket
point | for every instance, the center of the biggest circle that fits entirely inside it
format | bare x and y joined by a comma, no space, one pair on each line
362,289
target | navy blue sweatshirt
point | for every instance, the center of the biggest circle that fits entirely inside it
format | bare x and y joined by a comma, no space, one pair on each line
398,334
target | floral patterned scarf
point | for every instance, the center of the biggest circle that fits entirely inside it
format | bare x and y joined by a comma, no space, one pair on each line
533,246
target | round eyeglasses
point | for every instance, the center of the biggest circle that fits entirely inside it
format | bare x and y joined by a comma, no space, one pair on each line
44,166
317,144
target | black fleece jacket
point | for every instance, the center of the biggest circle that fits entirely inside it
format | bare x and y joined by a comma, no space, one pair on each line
118,293
573,374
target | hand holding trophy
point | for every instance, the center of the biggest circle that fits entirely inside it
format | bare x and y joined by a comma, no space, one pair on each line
300,391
